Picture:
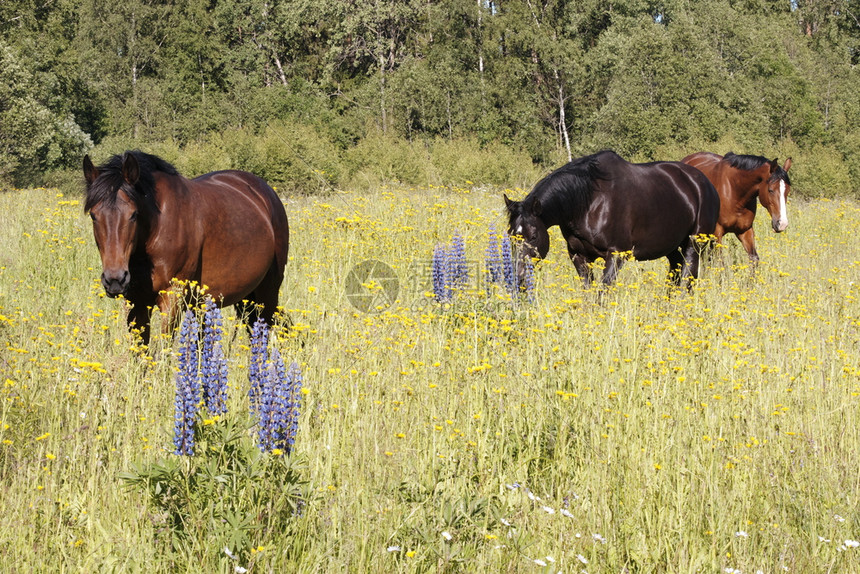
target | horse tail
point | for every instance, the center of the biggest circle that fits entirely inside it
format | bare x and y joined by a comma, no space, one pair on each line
710,208
281,228
709,212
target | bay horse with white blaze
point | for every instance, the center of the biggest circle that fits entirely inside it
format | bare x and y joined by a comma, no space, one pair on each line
740,180
226,230
607,206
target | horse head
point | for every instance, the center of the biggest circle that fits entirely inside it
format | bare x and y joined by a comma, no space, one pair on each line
114,203
774,195
524,220
528,231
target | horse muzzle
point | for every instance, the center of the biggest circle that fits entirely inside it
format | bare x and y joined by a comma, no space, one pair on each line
116,282
779,225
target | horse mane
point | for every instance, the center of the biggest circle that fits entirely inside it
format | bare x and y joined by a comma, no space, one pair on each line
752,162
110,180
780,174
569,188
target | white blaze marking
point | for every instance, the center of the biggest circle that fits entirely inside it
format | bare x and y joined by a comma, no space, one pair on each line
518,230
783,212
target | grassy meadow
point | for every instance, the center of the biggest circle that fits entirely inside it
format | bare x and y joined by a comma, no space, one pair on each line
642,430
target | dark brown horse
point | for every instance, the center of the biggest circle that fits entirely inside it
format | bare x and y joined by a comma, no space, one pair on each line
739,180
227,230
606,206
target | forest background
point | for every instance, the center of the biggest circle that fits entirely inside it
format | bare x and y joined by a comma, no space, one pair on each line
321,94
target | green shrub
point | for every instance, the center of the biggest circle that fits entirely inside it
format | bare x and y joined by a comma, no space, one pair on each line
820,172
241,146
202,157
463,160
851,151
378,159
299,157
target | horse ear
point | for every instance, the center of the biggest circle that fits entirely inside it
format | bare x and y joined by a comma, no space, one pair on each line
787,164
130,168
774,165
90,171
508,202
537,208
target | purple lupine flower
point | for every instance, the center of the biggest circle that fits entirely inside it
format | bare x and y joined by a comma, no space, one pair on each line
187,387
181,440
278,412
213,364
528,278
292,400
257,365
442,274
494,258
276,381
459,267
280,419
505,268
508,271
266,408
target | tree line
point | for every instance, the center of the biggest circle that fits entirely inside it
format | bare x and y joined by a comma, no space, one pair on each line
316,93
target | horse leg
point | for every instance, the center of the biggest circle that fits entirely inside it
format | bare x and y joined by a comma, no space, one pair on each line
138,320
684,263
692,260
262,302
718,243
747,239
613,265
139,316
247,310
583,267
266,294
677,264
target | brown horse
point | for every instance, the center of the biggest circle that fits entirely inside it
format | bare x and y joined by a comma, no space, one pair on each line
739,179
226,230
605,206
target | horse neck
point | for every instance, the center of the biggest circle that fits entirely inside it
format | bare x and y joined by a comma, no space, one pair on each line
551,217
164,202
749,181
554,211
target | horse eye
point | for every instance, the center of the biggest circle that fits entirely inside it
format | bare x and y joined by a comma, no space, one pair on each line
133,216
92,216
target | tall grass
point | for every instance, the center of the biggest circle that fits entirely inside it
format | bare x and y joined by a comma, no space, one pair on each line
644,429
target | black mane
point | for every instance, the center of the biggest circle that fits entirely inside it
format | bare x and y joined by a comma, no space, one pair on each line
780,173
751,162
568,189
110,180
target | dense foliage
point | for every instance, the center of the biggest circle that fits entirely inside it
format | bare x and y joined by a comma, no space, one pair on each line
314,93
